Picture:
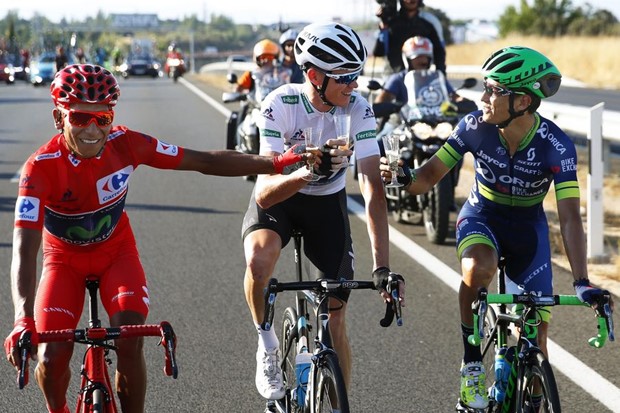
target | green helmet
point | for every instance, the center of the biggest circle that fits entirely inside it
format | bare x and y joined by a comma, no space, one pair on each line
523,69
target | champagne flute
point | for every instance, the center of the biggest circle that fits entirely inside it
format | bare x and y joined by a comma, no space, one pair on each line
343,128
312,146
391,143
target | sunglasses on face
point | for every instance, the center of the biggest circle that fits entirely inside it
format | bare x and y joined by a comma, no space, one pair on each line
344,78
497,91
82,119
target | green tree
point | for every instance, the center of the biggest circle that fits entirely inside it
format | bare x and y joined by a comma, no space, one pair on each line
554,18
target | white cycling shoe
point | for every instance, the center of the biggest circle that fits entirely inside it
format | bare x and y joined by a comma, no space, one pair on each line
269,374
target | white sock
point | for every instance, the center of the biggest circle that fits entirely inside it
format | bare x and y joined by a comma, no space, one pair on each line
267,338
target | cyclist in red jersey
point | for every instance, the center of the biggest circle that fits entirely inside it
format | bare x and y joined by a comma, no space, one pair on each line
71,199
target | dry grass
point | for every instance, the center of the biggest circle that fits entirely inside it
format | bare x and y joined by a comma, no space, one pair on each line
591,60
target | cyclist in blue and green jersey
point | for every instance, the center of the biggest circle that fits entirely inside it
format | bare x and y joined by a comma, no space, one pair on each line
517,155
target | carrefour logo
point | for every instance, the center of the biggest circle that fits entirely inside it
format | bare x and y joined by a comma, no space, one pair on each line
113,185
27,208
167,149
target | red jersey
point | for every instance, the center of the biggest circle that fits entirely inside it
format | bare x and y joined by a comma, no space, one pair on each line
82,201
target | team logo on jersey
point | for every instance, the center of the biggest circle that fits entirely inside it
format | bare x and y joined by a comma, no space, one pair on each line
167,149
290,99
531,154
268,113
368,113
113,185
27,208
74,161
47,156
471,122
269,133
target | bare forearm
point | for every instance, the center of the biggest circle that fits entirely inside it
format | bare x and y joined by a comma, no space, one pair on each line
273,189
226,163
377,226
24,273
574,240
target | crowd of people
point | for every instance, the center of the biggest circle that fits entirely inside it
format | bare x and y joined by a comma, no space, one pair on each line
325,60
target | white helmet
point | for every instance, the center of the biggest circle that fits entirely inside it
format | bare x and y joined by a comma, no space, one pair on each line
287,36
330,46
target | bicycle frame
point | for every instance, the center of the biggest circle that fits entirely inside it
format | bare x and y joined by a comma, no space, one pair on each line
527,326
96,393
317,294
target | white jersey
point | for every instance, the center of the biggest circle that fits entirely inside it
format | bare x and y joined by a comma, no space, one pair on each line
287,111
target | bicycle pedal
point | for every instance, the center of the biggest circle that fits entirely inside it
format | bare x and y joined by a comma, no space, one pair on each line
270,406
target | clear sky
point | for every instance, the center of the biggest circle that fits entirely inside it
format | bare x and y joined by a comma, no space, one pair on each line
264,11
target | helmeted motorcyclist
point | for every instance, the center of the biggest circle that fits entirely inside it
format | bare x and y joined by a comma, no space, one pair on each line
287,43
174,58
266,55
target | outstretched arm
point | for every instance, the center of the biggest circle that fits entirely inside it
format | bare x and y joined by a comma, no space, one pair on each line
233,163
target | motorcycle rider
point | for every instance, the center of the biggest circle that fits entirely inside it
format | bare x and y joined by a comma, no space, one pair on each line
517,155
287,42
258,83
266,56
174,58
417,53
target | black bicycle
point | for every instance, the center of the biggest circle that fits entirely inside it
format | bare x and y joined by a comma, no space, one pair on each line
312,378
523,382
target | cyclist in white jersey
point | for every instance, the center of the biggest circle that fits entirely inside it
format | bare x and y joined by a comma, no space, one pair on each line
332,57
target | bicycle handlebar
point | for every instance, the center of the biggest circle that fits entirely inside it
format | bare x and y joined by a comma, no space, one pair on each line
99,336
393,308
603,311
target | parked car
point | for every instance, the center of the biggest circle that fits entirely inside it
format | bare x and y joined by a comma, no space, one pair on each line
7,73
19,72
141,65
43,67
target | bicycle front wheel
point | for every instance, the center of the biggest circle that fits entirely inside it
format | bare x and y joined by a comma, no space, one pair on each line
288,341
330,390
538,391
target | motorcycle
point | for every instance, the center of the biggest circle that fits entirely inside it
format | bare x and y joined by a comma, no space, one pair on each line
423,124
175,66
241,129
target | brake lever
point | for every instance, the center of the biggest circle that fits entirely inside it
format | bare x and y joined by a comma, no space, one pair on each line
25,347
393,308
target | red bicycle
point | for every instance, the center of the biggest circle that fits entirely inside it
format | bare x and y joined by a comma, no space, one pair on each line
96,395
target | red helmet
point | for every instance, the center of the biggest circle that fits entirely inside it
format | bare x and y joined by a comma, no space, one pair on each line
84,83
417,46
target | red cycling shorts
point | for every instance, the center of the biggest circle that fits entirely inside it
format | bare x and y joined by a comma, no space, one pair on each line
62,288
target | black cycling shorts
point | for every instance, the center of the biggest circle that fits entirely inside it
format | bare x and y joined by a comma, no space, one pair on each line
324,223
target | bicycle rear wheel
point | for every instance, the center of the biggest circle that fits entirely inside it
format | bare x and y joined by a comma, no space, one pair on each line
538,386
330,390
288,343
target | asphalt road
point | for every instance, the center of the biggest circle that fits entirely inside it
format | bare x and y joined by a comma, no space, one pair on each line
188,231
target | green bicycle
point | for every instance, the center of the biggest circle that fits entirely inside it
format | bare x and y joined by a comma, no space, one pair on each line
529,385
